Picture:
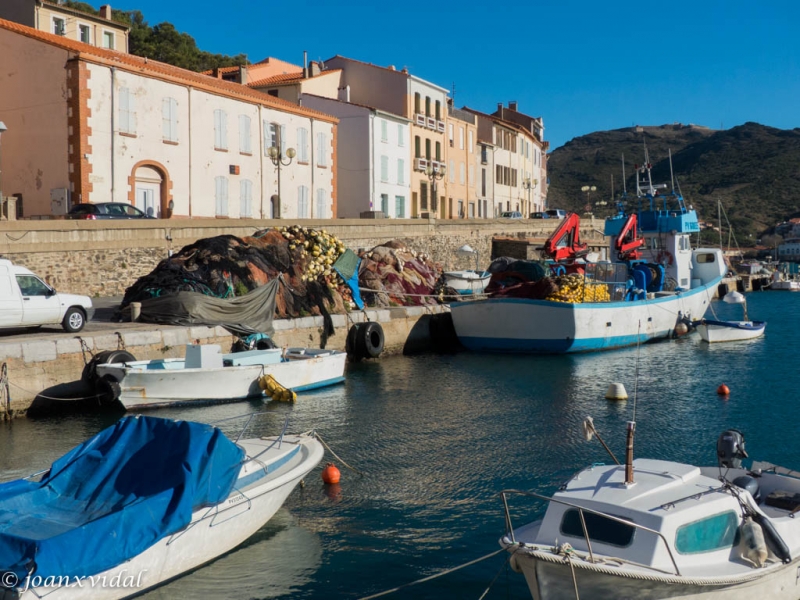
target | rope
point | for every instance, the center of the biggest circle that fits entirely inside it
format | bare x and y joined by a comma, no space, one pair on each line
39,395
499,571
337,456
430,577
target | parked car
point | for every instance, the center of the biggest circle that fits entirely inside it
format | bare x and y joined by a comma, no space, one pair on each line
539,215
106,210
27,301
511,214
556,213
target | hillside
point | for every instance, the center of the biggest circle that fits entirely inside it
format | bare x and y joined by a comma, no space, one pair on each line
753,169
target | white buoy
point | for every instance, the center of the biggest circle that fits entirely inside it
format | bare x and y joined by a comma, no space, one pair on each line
616,391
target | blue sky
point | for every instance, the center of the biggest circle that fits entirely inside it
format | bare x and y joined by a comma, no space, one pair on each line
583,66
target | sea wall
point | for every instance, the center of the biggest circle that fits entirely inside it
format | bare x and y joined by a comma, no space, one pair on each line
103,258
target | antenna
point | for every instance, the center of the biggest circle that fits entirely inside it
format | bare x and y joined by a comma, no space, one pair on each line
624,184
671,176
632,424
453,93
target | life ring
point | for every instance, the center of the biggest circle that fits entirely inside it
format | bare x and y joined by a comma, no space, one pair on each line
364,340
664,256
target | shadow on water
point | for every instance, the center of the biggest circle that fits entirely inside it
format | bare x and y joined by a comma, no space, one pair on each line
72,398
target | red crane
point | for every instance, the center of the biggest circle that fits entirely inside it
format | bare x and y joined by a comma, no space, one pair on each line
628,241
565,242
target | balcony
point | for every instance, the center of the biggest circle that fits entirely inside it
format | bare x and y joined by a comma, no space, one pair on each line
431,123
419,119
420,164
440,126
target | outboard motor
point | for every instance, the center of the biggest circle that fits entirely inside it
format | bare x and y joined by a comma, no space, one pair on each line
730,449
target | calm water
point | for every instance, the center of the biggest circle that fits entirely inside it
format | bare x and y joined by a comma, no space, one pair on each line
438,436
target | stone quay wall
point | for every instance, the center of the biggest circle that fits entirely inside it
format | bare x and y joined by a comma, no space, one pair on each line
103,258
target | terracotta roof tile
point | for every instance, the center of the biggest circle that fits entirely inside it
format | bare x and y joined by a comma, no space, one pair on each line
285,78
159,70
221,70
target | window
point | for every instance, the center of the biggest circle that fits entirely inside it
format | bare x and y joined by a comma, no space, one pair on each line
601,529
417,103
384,168
401,135
460,209
270,136
450,133
322,212
438,110
470,138
108,40
169,117
400,207
59,26
461,173
84,33
423,195
384,130
705,258
417,147
460,138
401,171
709,534
220,130
221,196
246,199
452,169
30,285
484,155
245,145
302,202
483,182
127,111
322,150
385,204
438,151
428,106
428,149
302,145
472,175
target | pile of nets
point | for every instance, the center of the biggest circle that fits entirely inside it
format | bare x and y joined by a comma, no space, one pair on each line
576,288
533,279
392,274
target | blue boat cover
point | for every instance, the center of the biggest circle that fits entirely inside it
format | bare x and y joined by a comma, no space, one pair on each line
114,496
347,266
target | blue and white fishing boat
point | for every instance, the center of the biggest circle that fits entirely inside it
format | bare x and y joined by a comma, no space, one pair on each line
142,502
657,286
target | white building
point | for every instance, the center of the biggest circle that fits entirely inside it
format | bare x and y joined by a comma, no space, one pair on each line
122,128
374,167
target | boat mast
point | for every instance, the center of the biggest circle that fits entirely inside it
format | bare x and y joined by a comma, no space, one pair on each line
671,174
629,453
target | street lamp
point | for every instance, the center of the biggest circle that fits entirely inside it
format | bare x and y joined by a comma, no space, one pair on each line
277,158
588,189
435,174
529,184
3,129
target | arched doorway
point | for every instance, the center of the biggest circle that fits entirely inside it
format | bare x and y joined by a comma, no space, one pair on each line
150,189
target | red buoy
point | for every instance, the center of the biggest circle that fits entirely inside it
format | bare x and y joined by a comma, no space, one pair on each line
723,390
330,474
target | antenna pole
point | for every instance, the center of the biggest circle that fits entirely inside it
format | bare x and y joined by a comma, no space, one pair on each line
629,453
624,184
671,175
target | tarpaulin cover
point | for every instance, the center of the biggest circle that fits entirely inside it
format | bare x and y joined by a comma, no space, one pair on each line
347,268
243,315
114,496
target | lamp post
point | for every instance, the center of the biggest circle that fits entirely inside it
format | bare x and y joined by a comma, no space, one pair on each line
277,158
3,129
529,184
588,189
435,175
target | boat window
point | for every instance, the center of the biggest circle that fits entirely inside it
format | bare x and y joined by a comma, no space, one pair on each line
601,529
706,535
706,258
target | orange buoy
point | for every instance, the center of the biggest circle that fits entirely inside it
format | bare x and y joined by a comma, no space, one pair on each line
723,390
330,474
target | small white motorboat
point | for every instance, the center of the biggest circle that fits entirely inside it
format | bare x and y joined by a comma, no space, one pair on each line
206,375
467,282
656,529
141,503
731,331
779,283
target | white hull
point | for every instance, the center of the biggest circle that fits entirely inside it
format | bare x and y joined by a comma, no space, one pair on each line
735,331
212,532
541,326
467,282
142,388
553,580
785,286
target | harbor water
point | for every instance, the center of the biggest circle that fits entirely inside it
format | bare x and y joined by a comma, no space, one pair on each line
437,437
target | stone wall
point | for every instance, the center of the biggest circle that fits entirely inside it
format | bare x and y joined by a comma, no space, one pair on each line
103,258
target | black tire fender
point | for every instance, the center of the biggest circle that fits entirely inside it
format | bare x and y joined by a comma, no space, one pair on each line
89,373
350,346
371,339
109,388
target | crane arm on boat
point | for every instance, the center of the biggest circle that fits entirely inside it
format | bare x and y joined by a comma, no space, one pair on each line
628,242
565,242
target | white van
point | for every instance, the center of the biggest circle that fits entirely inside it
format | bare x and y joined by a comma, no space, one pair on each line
27,301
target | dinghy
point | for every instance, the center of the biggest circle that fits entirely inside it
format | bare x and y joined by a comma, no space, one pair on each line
144,501
731,331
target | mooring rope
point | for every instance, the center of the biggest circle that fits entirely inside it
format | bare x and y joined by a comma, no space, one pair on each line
336,455
40,395
430,577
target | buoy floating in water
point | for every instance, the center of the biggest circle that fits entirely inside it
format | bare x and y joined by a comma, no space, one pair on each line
723,390
616,391
681,329
330,474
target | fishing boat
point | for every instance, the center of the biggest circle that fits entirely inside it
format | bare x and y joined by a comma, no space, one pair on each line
657,284
206,375
468,281
142,502
731,331
782,284
659,529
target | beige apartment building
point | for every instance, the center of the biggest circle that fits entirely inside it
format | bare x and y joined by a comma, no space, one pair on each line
52,17
461,148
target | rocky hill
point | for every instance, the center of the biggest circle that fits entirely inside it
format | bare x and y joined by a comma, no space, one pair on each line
753,169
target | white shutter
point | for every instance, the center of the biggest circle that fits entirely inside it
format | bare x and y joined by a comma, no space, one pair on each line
401,171
246,198
400,135
283,140
265,135
321,210
165,119
244,134
124,114
384,168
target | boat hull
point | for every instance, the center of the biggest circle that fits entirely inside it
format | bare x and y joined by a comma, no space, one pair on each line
730,331
553,580
518,325
143,389
467,282
211,533
784,286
